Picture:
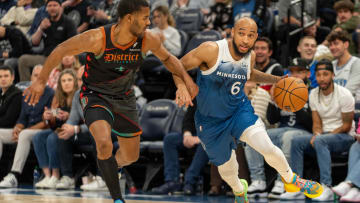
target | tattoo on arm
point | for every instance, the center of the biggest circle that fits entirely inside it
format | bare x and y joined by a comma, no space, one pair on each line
348,117
260,77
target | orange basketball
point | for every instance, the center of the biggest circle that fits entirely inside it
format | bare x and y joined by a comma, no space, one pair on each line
290,94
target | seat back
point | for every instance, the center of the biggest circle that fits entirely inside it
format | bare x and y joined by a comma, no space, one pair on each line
209,35
189,20
184,40
156,118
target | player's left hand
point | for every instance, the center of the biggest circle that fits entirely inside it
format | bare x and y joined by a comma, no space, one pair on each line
33,93
183,97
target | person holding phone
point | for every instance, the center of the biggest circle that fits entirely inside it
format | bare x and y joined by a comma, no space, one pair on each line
46,142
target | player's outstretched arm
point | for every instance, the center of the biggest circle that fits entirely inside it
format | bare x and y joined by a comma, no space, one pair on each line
204,56
90,41
172,63
260,77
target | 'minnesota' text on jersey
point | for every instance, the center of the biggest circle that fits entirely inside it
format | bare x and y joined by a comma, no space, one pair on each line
221,87
113,72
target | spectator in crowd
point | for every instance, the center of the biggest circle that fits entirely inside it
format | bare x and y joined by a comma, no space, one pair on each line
46,142
219,18
73,132
307,49
263,48
346,66
348,190
172,143
76,10
52,31
255,9
5,6
290,125
164,25
68,62
40,14
317,31
10,100
346,21
21,15
203,5
155,3
29,123
104,13
19,44
333,128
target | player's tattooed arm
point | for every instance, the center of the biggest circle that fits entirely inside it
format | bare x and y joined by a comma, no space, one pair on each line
347,119
260,77
317,123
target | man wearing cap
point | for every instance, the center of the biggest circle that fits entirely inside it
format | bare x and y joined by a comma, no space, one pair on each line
333,128
291,124
53,31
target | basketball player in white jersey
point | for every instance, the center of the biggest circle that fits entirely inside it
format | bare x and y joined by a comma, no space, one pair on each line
225,114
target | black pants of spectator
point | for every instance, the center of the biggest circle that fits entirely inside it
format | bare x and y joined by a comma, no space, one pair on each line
66,150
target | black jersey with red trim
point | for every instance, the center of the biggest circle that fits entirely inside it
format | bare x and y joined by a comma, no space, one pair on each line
113,72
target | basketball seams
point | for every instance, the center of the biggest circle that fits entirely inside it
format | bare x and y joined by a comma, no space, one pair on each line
297,95
292,103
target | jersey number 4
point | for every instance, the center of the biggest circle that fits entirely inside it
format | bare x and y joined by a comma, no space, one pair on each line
235,89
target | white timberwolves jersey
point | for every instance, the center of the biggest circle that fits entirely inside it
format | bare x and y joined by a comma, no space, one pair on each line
342,74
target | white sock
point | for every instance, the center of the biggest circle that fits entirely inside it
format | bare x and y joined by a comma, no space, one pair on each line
229,173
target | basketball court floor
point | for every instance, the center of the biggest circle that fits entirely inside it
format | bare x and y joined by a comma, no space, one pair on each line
26,194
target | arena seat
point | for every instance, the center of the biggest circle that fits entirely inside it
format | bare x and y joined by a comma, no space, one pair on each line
208,35
189,20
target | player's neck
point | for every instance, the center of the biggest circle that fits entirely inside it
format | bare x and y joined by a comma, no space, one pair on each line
233,53
344,59
122,36
328,90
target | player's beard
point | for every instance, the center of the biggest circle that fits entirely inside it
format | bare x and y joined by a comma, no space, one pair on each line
237,51
134,29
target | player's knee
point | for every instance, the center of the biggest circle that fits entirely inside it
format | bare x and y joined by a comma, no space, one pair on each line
104,148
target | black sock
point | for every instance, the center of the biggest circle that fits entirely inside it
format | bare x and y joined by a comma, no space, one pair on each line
16,174
109,173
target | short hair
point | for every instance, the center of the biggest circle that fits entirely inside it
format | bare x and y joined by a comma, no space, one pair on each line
340,35
344,4
130,6
267,41
307,37
327,63
5,67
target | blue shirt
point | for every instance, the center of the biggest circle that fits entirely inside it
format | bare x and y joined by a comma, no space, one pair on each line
31,115
41,13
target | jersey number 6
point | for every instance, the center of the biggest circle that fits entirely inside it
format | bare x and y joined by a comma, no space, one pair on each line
235,89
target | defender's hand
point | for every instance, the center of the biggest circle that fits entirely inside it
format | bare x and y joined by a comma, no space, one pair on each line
33,93
191,86
183,97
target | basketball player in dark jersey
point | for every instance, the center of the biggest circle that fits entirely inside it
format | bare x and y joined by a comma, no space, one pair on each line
114,54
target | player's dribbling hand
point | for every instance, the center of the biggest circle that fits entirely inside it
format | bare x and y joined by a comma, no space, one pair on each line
192,87
183,97
33,93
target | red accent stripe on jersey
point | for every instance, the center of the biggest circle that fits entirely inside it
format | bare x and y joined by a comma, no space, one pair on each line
86,74
88,58
109,49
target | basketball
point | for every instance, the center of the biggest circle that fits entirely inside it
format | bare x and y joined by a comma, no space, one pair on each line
290,94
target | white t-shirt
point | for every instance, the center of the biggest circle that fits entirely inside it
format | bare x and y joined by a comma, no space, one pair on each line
331,106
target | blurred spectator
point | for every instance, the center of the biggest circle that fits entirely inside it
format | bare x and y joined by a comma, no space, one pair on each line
66,63
156,3
46,142
307,49
317,31
295,11
290,125
263,48
29,123
73,132
255,9
20,15
52,31
10,99
348,190
346,66
203,5
173,142
40,14
104,14
219,18
333,128
5,6
346,20
19,43
164,26
76,10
